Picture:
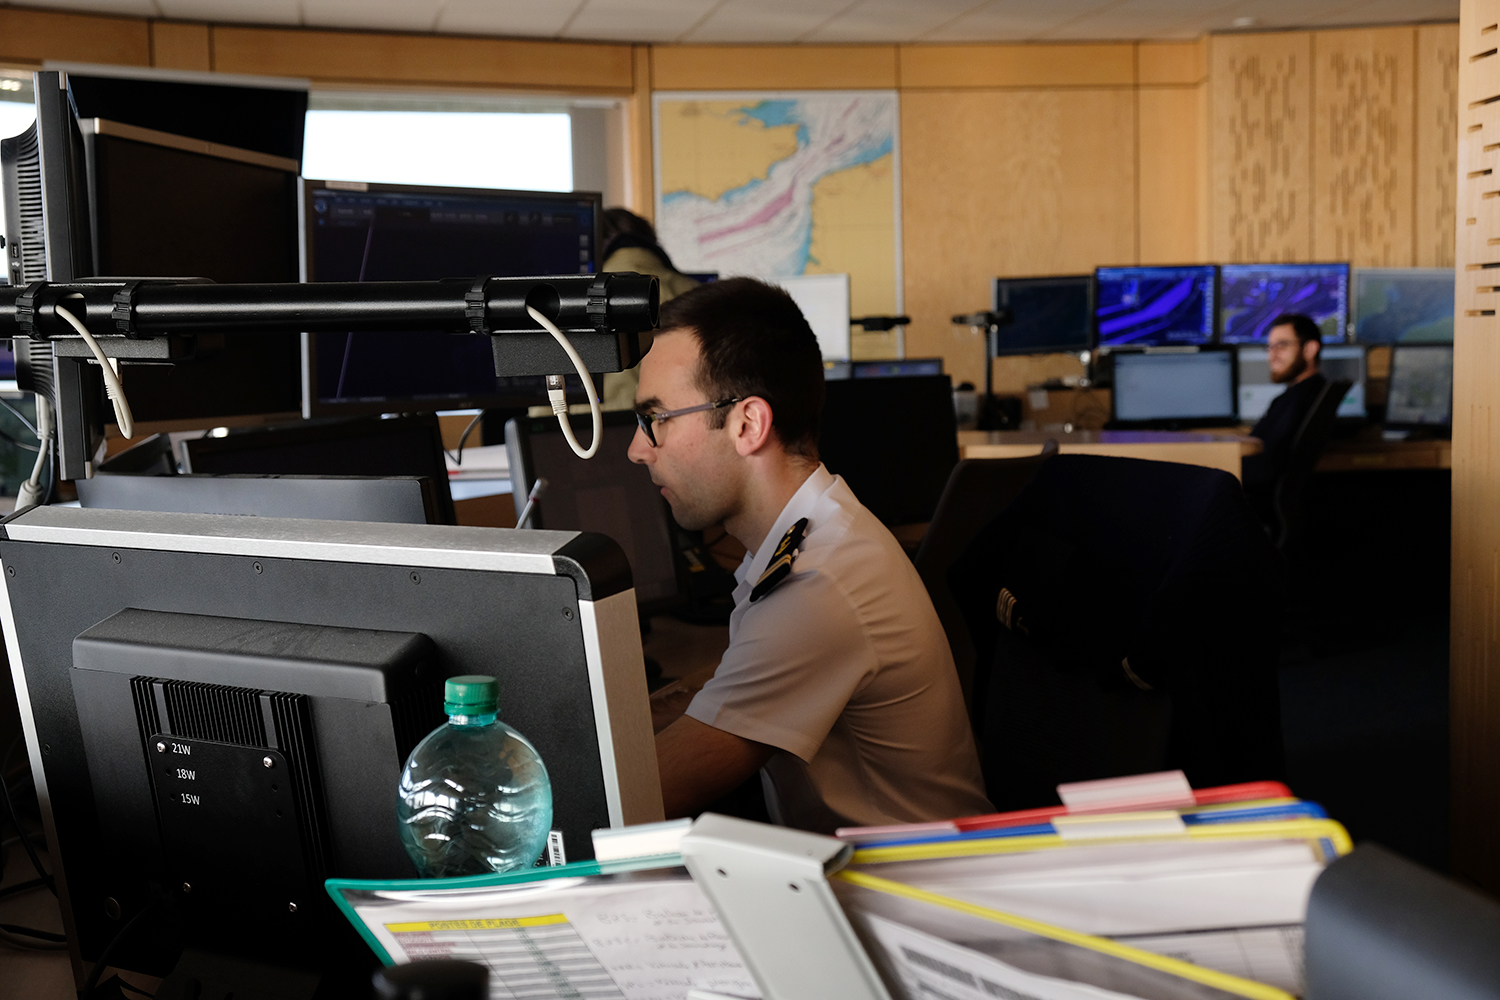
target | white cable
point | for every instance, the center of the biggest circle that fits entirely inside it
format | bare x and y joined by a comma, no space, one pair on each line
557,395
32,489
112,386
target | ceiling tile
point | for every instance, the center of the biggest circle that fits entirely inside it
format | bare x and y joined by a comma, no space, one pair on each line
128,8
1393,12
1013,20
525,18
378,15
637,20
890,20
781,21
233,11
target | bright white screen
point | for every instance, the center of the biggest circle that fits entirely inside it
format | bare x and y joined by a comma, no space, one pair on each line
520,151
15,117
824,300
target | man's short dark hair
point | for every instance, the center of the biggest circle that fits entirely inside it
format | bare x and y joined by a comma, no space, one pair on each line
1304,328
755,342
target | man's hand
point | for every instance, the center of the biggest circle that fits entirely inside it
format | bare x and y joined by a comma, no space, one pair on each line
700,763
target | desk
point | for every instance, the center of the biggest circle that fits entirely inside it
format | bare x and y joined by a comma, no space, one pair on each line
1216,451
1361,455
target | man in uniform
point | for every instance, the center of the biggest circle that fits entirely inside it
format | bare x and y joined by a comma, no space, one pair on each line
837,664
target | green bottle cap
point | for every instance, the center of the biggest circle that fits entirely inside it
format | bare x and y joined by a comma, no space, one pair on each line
471,694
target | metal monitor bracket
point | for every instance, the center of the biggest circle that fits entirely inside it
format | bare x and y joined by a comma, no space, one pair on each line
606,317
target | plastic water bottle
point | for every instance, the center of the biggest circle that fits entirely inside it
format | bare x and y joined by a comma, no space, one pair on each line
474,797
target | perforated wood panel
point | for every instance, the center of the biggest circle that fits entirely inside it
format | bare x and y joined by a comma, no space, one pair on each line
1475,689
1261,88
1437,149
1362,146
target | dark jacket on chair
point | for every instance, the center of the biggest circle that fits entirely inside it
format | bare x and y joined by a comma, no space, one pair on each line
1127,612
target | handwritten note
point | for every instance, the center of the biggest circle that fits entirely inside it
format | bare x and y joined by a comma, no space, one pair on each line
638,937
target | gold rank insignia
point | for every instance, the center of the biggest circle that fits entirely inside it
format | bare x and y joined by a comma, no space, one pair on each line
781,561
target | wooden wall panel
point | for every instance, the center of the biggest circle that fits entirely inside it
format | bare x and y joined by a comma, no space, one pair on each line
1363,98
180,46
1261,105
32,36
952,66
976,203
1474,690
1437,148
1159,63
1171,135
425,59
774,67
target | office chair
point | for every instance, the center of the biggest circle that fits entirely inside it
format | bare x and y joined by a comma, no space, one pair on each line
1307,448
1117,605
977,490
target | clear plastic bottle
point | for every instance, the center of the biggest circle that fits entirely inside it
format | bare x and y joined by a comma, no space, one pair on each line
474,795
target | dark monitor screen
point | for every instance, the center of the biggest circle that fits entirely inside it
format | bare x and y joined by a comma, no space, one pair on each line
1253,295
1154,306
894,440
172,208
389,232
402,446
609,494
1408,305
1256,390
1421,390
1175,387
7,361
1047,314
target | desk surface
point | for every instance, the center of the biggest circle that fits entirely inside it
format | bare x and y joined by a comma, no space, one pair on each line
1377,454
1213,450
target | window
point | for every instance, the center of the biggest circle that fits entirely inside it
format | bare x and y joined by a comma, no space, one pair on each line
450,142
16,109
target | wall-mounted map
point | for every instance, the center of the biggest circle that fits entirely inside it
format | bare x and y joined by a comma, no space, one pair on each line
776,185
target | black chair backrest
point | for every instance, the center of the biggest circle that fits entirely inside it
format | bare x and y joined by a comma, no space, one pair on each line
1114,606
1307,448
977,491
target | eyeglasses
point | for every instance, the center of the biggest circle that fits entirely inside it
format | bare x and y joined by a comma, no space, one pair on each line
648,421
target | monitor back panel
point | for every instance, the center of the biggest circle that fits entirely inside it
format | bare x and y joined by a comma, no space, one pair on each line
396,500
894,440
609,494
402,446
1173,388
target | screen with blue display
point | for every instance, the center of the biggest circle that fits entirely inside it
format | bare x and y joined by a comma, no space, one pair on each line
1154,306
1408,305
1253,295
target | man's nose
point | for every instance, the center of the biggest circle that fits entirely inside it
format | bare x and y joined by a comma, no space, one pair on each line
640,450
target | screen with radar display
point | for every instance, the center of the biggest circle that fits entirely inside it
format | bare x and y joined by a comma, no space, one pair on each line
1154,306
1406,305
1253,295
1421,392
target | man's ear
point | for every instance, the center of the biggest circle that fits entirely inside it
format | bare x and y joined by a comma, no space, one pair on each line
1311,352
750,424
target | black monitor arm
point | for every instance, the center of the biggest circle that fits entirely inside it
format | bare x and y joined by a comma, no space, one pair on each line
606,317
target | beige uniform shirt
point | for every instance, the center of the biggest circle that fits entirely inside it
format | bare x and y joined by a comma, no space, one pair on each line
846,666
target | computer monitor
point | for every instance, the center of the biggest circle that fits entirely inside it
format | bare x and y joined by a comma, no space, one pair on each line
1173,388
1407,305
167,206
1154,306
217,709
393,499
368,446
1256,390
1421,389
894,440
1048,315
406,232
1252,296
609,494
824,301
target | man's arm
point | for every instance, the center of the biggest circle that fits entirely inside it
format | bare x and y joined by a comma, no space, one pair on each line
699,764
